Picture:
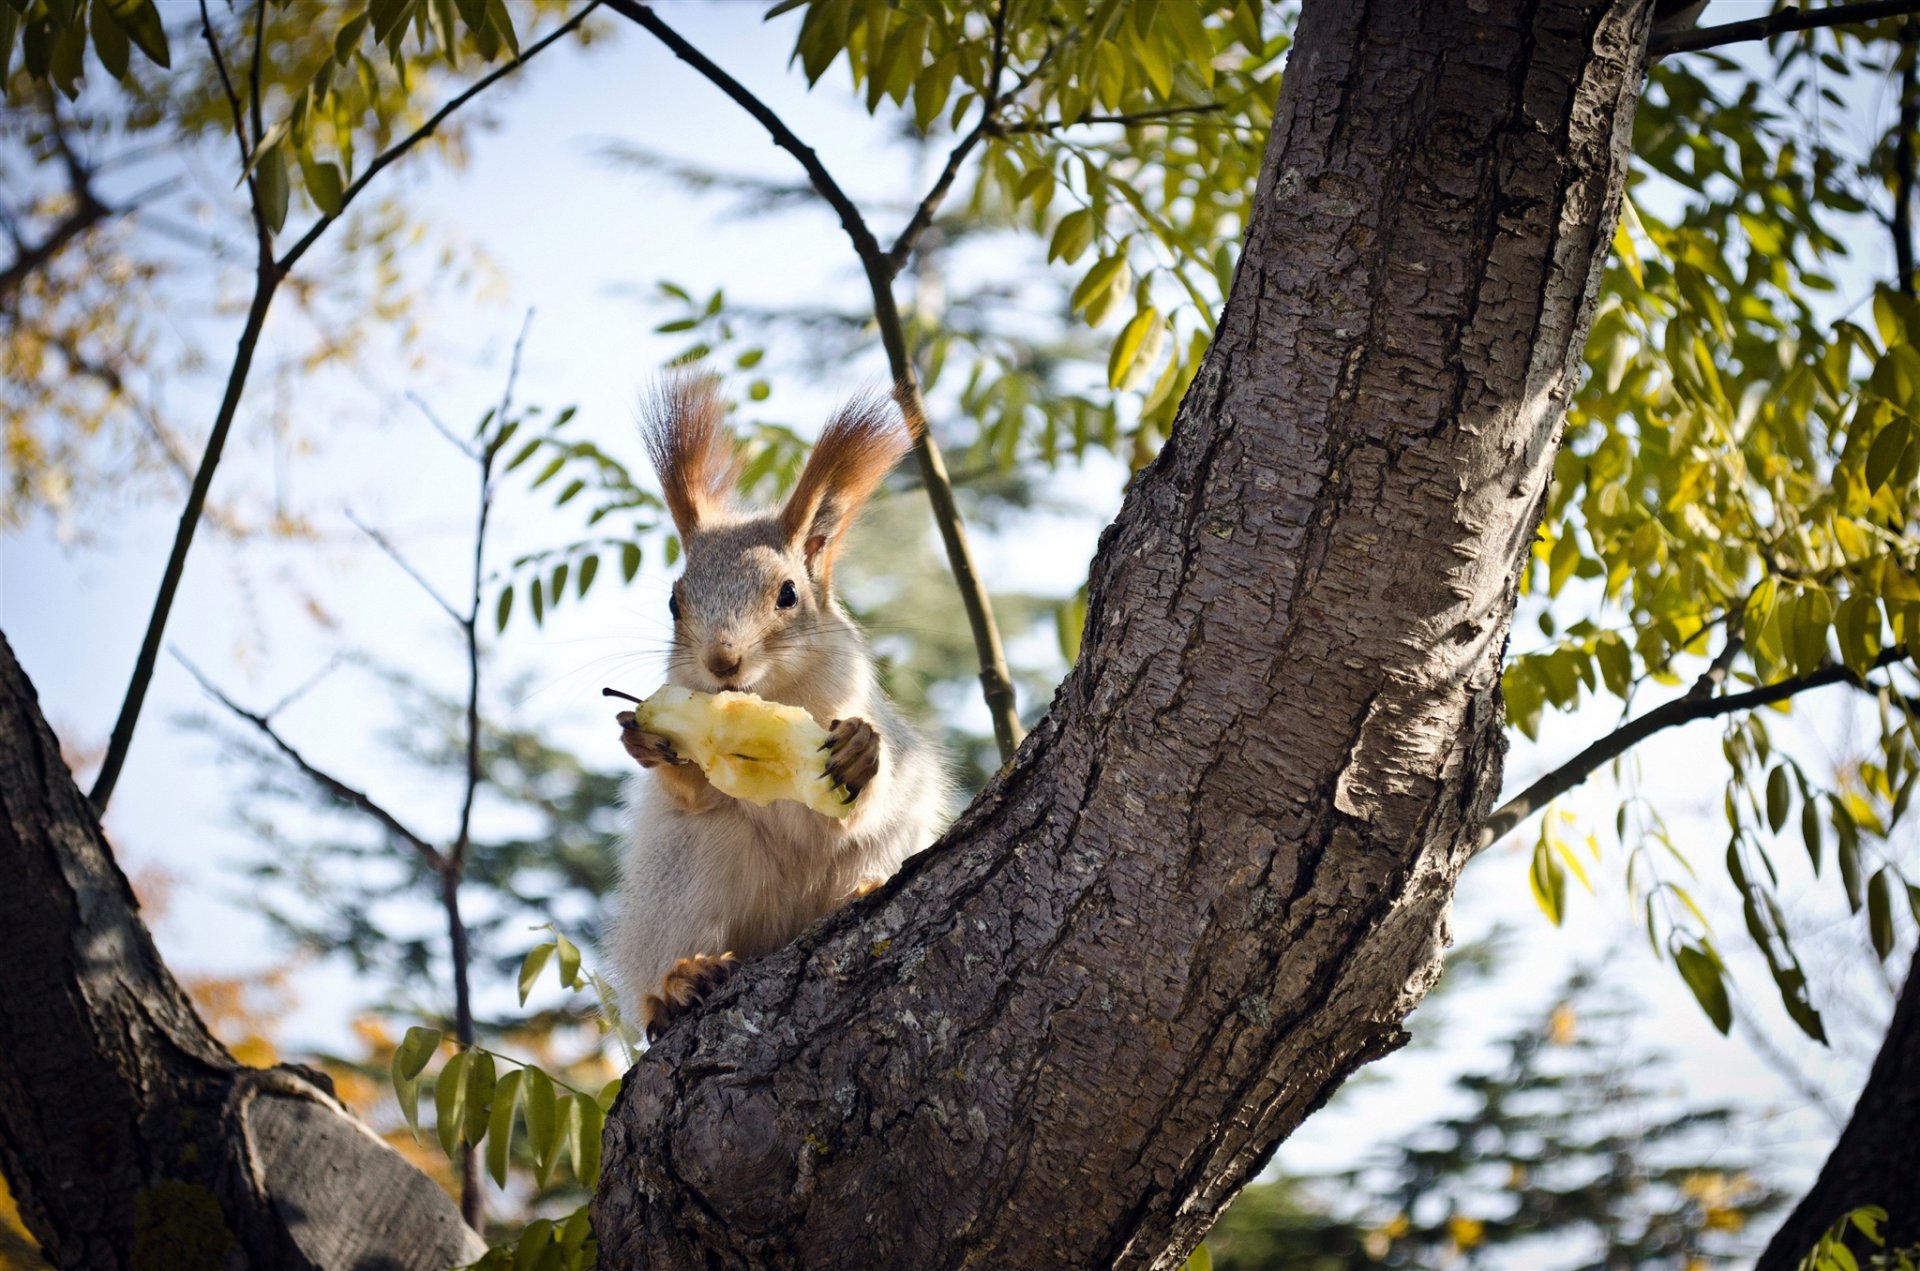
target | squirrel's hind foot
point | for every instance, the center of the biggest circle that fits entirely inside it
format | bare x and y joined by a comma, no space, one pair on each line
686,986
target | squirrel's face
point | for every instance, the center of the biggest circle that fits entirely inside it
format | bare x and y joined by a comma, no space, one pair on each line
744,611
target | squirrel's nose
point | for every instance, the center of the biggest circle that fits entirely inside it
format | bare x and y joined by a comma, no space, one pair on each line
723,662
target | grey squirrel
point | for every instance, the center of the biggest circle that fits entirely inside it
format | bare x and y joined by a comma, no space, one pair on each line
708,879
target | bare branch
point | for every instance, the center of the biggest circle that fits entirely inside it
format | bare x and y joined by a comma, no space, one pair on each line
262,235
427,129
439,427
1684,710
87,212
331,784
1903,160
784,137
393,553
1784,22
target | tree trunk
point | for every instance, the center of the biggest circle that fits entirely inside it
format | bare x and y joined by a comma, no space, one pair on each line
128,1134
1877,1160
1216,879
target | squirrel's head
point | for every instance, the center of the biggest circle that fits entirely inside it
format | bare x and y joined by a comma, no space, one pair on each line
754,610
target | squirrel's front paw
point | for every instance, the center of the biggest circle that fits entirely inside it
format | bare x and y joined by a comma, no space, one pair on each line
687,985
853,755
647,749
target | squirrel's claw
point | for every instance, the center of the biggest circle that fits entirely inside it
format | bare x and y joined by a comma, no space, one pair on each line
647,749
684,987
855,749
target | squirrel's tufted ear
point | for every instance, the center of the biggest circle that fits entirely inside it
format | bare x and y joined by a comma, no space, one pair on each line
684,425
855,452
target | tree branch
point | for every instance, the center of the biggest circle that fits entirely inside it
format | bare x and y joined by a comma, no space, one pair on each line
434,858
246,141
1784,22
1684,710
87,212
1137,117
1903,160
393,554
996,682
267,279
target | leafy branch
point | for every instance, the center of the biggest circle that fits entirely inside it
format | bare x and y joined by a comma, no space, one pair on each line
1684,710
882,266
259,162
1784,22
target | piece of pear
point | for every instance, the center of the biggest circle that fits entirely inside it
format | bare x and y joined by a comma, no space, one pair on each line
749,748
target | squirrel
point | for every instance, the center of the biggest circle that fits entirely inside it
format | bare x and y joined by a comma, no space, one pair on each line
708,879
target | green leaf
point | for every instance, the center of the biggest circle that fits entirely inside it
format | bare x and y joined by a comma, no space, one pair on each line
1072,236
140,19
539,603
1107,272
591,1125
324,185
1889,447
569,963
629,561
542,1121
1127,347
270,181
347,38
506,1097
1548,881
1701,971
503,609
409,1058
531,966
1199,1260
1779,799
1810,833
450,1102
110,40
479,1095
589,566
415,1049
1880,911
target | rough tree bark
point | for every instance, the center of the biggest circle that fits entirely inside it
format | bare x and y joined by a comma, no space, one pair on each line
1877,1160
128,1134
1216,879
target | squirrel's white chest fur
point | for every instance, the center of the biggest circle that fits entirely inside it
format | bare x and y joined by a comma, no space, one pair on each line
744,879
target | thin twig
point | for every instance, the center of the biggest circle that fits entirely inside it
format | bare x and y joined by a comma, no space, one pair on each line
439,427
1784,22
1903,159
1129,120
896,257
425,130
333,785
1680,711
262,235
393,554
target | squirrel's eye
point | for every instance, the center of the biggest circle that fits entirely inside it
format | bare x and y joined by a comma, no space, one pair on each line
788,596
673,606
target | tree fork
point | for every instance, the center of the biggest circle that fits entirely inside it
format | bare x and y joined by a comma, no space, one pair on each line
127,1132
1217,879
